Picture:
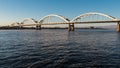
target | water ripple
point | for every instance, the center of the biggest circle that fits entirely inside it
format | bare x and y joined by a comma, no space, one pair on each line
59,49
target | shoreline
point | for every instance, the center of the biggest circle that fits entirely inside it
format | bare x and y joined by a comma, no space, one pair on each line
11,28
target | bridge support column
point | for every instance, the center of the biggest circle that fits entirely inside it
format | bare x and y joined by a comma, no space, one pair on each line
38,27
19,27
118,26
71,27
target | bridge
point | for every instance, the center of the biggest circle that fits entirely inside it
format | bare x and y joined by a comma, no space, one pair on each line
53,19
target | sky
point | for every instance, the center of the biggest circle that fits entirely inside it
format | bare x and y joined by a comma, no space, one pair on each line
16,10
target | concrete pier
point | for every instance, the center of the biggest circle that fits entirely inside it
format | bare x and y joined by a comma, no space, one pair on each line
118,26
71,27
38,27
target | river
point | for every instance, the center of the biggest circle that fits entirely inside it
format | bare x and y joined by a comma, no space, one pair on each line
58,48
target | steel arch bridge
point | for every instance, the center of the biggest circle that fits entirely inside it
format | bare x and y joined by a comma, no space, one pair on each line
53,19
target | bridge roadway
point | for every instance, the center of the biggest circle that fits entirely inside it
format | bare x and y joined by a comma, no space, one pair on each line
88,22
71,24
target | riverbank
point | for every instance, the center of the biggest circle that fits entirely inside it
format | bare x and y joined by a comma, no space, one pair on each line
15,28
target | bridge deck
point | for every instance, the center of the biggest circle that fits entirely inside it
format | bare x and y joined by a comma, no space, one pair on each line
88,22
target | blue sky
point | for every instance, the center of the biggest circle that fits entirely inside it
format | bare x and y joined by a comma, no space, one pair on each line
17,10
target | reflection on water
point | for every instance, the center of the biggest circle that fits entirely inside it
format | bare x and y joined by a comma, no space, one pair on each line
57,48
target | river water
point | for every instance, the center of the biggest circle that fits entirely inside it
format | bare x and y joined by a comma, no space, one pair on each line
58,48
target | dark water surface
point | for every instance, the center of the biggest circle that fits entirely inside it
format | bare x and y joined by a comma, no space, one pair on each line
58,48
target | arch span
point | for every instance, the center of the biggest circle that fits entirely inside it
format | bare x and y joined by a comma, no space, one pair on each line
29,19
93,13
54,15
15,24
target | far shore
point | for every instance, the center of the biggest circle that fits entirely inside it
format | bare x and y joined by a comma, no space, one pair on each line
22,28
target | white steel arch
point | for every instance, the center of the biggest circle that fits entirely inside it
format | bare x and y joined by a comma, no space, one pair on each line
29,19
54,15
15,24
93,13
